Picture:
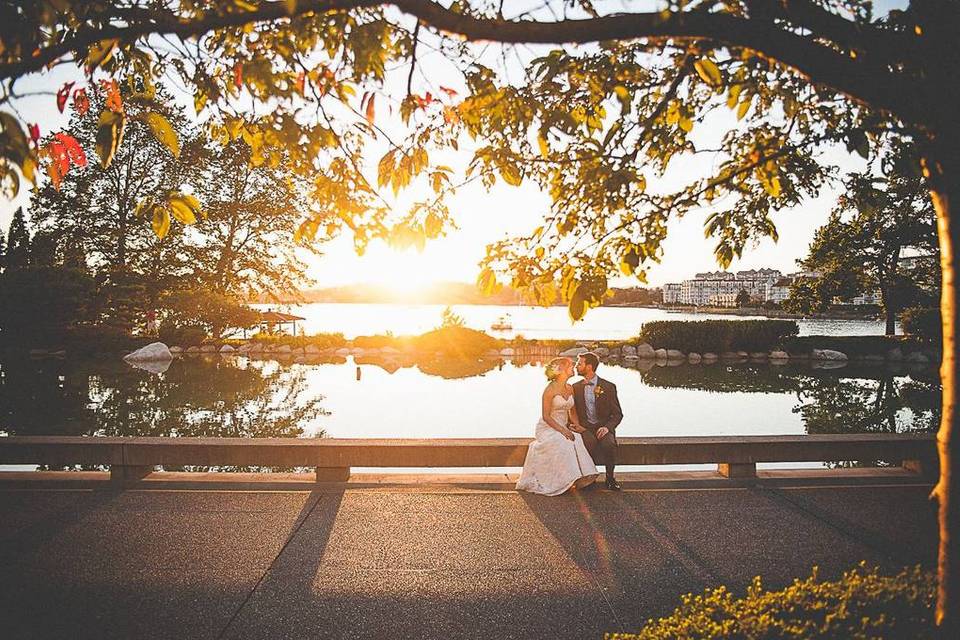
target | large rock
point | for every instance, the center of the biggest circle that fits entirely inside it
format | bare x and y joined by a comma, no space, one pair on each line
828,354
758,355
675,354
246,347
208,348
645,351
175,350
256,347
709,356
661,354
312,350
573,352
153,352
508,352
298,351
779,355
694,358
283,349
193,349
603,352
629,350
227,349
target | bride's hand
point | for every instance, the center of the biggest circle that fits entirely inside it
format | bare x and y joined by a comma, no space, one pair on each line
568,434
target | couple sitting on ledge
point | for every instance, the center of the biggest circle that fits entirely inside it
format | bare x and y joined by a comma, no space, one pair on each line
576,430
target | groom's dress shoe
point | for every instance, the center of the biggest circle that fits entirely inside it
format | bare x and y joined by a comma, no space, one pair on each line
613,485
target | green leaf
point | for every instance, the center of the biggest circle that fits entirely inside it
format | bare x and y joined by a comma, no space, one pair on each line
184,207
160,221
708,72
163,131
109,135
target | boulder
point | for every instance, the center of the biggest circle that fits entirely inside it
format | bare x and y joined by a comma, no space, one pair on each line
342,351
227,349
779,355
283,349
312,349
758,355
153,352
828,354
709,356
694,358
743,354
661,354
645,351
208,348
509,352
256,347
572,352
298,351
245,348
629,350
675,354
193,349
175,350
917,358
603,352
895,354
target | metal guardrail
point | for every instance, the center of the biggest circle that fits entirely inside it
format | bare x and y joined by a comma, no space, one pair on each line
736,456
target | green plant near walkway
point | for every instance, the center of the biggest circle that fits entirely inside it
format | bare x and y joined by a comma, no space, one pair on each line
718,335
861,604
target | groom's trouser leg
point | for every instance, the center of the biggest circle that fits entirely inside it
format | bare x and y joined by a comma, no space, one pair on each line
603,451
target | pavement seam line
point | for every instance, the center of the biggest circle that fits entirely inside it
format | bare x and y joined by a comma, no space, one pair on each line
293,534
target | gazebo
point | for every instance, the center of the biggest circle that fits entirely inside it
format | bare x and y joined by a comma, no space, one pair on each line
274,321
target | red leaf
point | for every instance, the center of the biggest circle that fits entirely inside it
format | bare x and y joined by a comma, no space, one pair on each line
450,92
73,149
114,102
370,109
63,94
35,133
81,103
238,75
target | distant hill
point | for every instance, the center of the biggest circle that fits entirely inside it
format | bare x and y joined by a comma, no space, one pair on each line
447,293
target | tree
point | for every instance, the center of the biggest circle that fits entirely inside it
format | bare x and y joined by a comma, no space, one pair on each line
18,243
859,249
590,125
244,245
216,312
742,299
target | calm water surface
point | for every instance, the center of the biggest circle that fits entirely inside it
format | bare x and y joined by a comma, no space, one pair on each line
603,323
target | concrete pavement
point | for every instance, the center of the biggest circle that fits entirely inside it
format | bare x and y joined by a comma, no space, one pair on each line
452,560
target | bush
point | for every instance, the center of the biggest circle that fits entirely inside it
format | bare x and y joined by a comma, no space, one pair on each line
184,336
861,604
320,340
718,335
378,342
923,323
456,341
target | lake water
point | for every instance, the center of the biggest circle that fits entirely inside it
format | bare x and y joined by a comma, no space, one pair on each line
603,323
219,396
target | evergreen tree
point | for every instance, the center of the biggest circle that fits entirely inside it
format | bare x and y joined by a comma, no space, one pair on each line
18,243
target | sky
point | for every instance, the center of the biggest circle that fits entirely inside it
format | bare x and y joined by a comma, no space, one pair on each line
487,216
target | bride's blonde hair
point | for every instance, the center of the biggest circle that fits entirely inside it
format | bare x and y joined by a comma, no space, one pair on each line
554,367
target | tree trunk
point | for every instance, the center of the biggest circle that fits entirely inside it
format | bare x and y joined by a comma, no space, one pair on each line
889,313
945,191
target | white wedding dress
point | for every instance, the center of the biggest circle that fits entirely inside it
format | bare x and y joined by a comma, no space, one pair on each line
554,464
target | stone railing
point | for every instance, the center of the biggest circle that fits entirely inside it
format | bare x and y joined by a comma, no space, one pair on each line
736,456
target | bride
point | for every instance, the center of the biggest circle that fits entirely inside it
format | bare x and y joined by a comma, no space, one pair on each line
557,458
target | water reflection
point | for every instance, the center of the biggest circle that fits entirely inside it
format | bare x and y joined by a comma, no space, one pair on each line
400,396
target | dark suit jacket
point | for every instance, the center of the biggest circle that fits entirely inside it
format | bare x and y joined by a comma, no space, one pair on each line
609,414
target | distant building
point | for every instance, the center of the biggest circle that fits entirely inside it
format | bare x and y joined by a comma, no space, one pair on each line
671,293
724,300
706,288
779,290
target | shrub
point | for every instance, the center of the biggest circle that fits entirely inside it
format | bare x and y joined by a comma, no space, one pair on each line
922,322
861,604
718,335
378,342
456,341
319,340
184,336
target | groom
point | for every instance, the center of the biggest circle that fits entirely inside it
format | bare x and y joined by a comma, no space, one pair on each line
599,412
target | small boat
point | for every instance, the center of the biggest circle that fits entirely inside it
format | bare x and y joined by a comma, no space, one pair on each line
502,323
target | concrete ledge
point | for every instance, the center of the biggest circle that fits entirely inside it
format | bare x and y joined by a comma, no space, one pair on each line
642,480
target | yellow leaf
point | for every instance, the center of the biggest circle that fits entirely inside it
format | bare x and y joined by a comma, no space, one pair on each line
109,135
100,53
433,225
544,147
686,124
163,131
160,221
709,72
577,306
744,107
511,174
184,207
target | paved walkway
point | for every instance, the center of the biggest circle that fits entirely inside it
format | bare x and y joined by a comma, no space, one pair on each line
449,561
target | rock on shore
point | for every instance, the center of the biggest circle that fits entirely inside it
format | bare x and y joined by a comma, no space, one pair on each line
153,352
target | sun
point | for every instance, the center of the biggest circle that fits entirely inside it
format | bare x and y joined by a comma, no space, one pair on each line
403,272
